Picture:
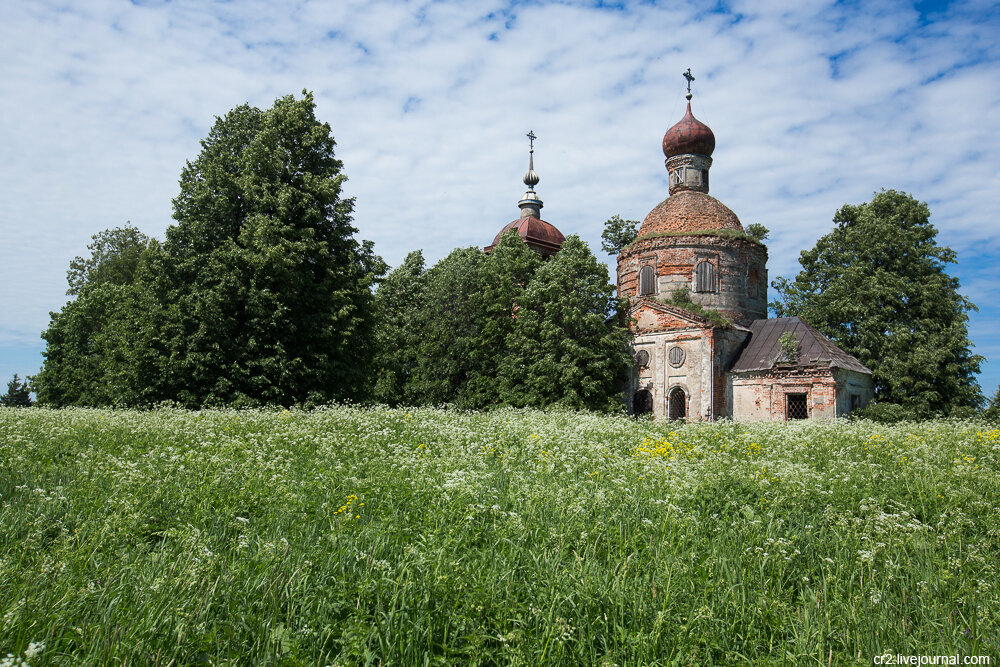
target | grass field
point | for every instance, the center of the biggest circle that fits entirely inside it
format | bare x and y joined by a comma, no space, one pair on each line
407,537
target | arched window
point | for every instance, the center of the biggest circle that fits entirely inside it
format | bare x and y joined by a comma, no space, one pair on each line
647,280
677,407
704,277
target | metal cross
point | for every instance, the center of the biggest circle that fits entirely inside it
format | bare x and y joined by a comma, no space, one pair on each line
531,136
690,78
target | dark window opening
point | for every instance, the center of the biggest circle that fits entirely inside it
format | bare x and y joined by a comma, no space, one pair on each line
642,358
677,408
704,277
796,406
647,281
855,402
642,402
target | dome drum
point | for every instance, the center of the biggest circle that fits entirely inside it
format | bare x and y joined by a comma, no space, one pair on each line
727,275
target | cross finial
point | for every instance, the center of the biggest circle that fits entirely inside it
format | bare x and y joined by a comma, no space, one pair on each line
690,78
531,137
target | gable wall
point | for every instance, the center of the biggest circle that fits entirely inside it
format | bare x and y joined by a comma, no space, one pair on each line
707,352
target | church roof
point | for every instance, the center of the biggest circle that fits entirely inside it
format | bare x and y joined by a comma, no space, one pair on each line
815,349
689,211
534,231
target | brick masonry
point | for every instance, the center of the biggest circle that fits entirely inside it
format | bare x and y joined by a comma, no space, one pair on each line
739,267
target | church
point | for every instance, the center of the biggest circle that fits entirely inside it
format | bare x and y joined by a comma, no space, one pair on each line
696,283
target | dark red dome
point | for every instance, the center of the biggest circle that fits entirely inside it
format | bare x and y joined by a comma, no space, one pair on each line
537,233
689,135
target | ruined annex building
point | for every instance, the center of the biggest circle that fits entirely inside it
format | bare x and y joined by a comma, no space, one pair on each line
697,290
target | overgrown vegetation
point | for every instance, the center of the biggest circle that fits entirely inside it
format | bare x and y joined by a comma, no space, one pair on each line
349,536
682,298
789,344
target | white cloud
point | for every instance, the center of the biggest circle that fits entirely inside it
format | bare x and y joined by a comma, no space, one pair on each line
814,104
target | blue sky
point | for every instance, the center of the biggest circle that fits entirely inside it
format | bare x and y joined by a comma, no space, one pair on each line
814,104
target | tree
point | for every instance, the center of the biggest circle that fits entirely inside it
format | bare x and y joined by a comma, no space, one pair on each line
504,276
618,233
18,394
87,356
114,258
757,232
267,294
877,286
397,303
569,347
992,411
259,295
446,331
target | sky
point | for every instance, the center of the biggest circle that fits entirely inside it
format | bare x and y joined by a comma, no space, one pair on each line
813,103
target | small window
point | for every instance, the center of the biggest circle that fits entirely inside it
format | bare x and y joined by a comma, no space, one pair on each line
678,405
796,406
647,280
704,277
855,402
676,356
642,358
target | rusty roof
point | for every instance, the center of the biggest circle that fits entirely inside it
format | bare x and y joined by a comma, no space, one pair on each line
534,231
815,349
688,135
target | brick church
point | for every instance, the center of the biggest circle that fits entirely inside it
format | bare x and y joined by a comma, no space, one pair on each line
703,346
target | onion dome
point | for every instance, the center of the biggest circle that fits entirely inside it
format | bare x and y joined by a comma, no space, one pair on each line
689,135
689,211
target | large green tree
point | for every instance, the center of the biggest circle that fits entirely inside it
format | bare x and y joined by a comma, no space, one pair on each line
569,345
398,301
504,276
446,331
88,359
878,286
260,294
268,293
618,233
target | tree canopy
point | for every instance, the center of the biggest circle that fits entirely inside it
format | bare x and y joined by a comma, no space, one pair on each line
479,330
877,285
18,394
569,346
114,258
618,233
259,295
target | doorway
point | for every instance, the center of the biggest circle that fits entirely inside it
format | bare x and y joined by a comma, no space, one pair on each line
642,402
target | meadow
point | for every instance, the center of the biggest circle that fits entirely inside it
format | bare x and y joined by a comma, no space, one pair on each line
351,536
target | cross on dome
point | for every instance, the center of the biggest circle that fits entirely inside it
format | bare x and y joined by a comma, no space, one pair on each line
690,78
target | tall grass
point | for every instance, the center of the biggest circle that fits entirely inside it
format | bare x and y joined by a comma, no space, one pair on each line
409,537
